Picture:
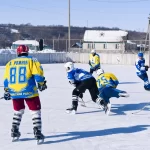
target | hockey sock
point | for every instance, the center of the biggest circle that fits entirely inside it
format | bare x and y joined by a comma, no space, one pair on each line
17,118
74,101
36,118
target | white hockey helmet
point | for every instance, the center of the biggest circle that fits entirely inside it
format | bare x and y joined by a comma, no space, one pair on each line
99,72
69,66
93,51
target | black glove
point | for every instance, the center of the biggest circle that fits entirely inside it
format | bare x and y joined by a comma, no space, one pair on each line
42,86
81,95
146,68
7,95
75,84
90,63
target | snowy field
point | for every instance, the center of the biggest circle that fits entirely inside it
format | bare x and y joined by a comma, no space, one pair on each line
90,129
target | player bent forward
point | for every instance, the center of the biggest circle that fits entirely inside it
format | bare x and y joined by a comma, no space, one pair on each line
19,84
107,83
82,80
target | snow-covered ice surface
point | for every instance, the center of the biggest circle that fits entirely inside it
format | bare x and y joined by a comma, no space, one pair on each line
90,129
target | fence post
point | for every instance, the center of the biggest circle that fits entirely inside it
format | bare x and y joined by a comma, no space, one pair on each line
53,44
66,46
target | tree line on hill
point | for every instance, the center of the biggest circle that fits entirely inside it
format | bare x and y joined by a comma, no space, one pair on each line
50,33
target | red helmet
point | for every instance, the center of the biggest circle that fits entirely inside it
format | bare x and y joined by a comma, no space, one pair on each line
22,49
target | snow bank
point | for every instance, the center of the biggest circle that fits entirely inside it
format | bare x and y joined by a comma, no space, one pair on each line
7,51
13,51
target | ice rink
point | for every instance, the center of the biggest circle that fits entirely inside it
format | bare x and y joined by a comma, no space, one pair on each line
90,129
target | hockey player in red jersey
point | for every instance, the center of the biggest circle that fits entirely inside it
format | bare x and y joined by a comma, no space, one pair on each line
20,77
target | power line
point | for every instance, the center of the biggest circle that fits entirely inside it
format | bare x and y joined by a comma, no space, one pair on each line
115,1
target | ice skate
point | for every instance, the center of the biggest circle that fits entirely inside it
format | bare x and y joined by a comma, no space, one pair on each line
107,108
100,103
124,94
71,111
15,134
38,136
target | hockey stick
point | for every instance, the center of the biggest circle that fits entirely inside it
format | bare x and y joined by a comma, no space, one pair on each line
82,102
141,109
1,97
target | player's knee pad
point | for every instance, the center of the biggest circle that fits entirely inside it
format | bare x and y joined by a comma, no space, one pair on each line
20,112
35,113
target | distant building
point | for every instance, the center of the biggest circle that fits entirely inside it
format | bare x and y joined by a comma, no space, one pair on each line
105,40
32,44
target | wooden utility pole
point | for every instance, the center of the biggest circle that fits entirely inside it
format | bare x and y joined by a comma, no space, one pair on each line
149,37
147,40
69,24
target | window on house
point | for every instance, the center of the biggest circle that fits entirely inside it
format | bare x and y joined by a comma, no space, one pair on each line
88,46
105,46
117,46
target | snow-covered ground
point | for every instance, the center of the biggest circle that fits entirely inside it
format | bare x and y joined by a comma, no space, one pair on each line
90,129
13,51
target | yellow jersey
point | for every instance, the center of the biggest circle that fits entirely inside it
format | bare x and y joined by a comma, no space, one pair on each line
94,61
107,79
20,76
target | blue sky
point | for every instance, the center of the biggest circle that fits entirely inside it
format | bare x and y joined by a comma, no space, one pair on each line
130,15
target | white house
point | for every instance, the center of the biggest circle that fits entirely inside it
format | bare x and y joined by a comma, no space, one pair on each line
32,44
104,39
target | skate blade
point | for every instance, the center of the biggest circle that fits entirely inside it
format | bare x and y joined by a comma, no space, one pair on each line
16,139
107,111
73,112
125,95
39,142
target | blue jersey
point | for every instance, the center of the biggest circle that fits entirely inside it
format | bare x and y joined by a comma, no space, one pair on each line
140,69
77,75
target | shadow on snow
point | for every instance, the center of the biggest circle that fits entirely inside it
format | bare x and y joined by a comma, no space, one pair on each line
119,109
70,136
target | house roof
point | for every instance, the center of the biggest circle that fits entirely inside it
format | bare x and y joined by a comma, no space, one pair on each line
104,35
27,42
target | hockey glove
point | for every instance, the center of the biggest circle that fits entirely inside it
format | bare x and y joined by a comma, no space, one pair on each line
72,83
42,86
7,95
81,95
75,84
146,68
90,63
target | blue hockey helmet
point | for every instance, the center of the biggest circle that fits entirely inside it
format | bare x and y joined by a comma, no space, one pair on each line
140,54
